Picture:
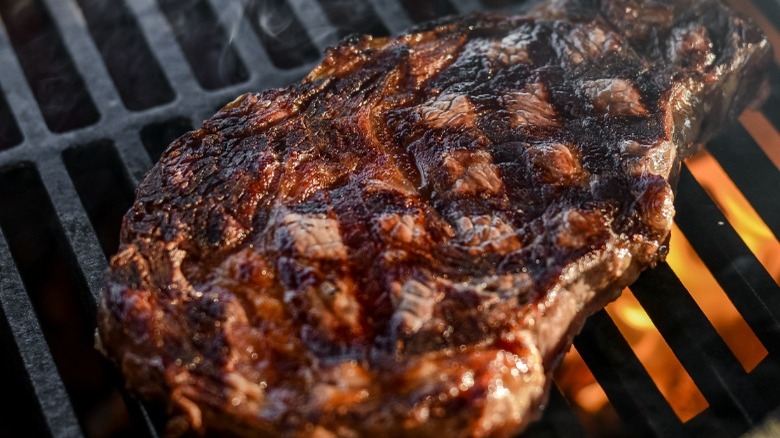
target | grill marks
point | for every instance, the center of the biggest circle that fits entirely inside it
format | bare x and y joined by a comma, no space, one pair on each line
411,195
462,145
483,138
479,175
530,108
616,97
448,110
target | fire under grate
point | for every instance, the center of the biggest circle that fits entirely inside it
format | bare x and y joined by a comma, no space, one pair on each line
92,91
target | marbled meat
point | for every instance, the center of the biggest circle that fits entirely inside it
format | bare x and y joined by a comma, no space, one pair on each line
405,242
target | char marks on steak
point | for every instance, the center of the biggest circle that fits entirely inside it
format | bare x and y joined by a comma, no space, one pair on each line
406,241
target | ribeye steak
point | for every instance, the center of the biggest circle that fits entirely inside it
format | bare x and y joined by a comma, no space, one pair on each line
405,242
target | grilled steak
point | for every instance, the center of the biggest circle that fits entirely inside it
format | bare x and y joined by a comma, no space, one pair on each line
405,242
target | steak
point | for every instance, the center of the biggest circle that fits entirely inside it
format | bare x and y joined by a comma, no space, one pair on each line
405,242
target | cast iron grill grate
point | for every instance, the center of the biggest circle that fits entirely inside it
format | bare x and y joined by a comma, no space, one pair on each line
91,92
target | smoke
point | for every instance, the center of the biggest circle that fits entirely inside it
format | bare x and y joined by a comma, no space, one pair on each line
270,17
276,25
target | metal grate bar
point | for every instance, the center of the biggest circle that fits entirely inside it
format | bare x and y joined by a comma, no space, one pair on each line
466,6
771,108
767,371
18,94
624,379
323,34
749,287
774,80
133,156
510,6
392,15
76,226
751,170
263,73
241,36
558,420
162,43
81,237
45,379
698,346
86,58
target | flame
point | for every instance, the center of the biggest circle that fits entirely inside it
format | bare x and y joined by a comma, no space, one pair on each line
575,380
654,353
713,301
588,398
738,211
634,315
579,386
764,133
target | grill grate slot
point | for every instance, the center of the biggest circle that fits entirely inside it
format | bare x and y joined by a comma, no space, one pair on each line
157,136
428,10
703,353
713,301
20,414
106,195
205,43
9,132
57,86
751,170
61,301
748,285
136,74
771,108
627,384
353,16
282,35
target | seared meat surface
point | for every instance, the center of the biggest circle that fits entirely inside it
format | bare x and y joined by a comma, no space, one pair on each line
405,242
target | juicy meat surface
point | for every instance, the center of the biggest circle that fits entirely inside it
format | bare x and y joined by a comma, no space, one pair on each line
405,242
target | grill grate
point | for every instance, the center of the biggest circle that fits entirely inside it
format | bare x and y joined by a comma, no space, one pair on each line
92,91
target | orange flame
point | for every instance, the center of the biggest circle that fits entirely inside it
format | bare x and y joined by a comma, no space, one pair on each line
575,380
738,211
713,301
578,384
654,353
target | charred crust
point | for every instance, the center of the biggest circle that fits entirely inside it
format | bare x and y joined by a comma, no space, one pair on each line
373,249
